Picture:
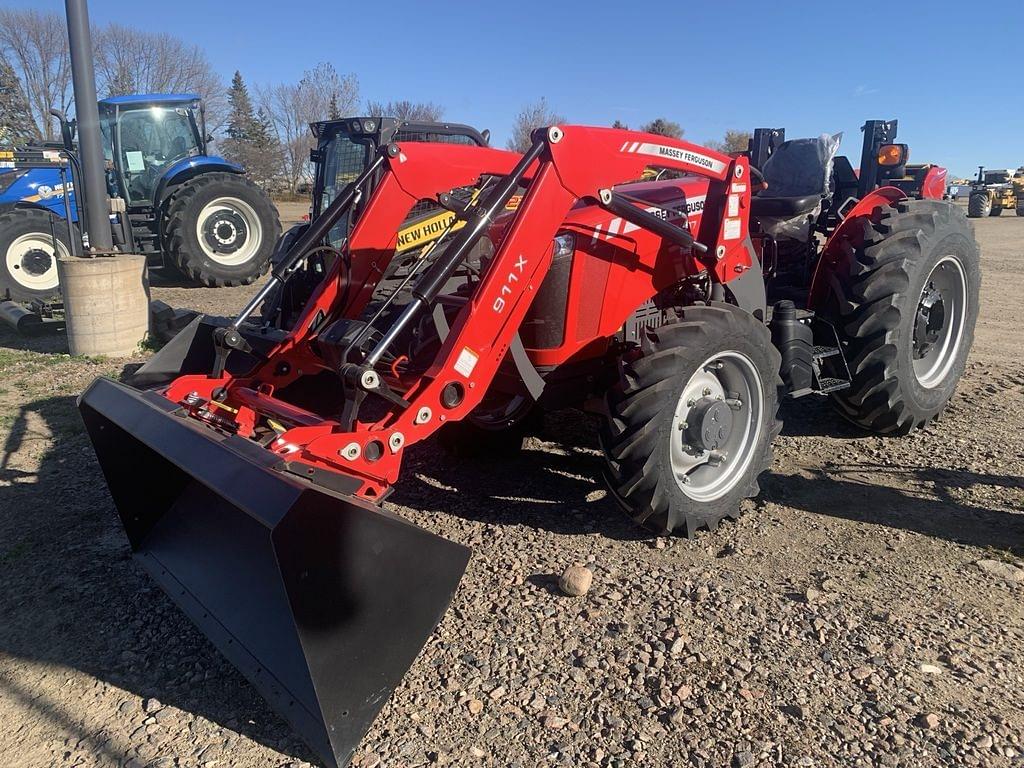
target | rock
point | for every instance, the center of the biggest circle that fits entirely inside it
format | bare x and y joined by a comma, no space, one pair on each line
743,759
475,706
498,692
1005,571
812,594
861,673
554,721
678,646
684,692
575,580
678,717
983,742
477,752
931,669
929,720
151,705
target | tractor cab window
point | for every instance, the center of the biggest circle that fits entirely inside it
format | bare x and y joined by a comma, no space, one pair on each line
344,160
151,139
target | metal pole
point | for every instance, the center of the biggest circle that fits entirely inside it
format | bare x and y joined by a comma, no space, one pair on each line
90,147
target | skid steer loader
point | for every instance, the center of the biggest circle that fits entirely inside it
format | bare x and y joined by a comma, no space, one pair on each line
251,483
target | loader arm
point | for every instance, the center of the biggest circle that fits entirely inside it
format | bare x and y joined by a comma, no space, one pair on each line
564,166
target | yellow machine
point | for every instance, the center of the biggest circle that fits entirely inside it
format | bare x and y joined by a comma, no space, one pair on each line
995,190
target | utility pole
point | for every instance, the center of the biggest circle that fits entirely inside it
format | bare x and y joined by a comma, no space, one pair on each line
90,145
106,294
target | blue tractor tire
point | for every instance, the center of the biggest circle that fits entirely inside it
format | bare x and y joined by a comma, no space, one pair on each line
220,230
28,267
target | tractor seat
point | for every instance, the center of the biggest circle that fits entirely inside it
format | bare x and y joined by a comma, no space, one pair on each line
797,174
783,207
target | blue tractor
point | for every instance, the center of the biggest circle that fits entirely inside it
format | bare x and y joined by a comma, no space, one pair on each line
173,201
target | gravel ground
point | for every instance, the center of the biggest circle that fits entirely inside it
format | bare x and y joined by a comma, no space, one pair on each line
867,610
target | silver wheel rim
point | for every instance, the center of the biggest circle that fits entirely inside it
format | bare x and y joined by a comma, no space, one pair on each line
937,339
229,231
731,380
26,264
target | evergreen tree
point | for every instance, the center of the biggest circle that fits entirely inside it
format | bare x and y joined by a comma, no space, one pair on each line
251,141
122,84
16,124
620,125
333,113
242,120
662,127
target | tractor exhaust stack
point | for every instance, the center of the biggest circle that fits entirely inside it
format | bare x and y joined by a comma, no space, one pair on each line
320,599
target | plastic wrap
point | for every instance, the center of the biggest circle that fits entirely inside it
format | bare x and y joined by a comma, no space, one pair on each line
799,168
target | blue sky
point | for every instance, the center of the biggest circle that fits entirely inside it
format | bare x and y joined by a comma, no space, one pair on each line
810,67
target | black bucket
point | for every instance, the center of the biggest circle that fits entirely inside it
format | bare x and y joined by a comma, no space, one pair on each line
322,600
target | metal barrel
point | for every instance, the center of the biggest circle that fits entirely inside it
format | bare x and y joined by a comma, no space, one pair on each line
322,600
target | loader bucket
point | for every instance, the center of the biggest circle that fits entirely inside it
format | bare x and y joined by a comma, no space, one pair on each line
322,600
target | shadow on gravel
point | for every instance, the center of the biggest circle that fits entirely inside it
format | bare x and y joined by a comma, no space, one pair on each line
871,493
814,416
555,487
73,597
47,343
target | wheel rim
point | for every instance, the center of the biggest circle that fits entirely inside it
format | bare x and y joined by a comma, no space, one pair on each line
229,231
939,322
716,426
30,262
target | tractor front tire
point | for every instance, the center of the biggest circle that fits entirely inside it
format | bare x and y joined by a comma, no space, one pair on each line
997,210
979,206
220,230
906,313
691,423
28,267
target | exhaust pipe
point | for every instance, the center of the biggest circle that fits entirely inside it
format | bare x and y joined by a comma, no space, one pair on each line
321,599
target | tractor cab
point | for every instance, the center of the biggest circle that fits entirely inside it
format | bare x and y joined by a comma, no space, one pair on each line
346,146
145,136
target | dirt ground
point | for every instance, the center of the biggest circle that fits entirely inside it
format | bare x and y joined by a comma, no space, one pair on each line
866,610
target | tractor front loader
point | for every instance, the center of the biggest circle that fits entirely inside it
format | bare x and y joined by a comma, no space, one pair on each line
679,310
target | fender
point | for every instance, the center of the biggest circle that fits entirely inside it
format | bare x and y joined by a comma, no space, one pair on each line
846,237
934,185
188,168
40,188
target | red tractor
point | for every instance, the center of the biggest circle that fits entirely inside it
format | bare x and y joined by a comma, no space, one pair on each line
249,469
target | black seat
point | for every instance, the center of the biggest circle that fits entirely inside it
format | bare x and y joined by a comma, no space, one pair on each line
796,176
783,207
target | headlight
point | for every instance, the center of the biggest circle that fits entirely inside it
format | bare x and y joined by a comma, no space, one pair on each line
565,244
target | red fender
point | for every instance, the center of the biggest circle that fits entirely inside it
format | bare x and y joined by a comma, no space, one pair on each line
846,238
933,187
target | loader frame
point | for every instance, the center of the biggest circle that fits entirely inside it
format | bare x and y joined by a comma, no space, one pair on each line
565,165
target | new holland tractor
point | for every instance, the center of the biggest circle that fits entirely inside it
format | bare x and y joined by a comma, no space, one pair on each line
249,458
173,201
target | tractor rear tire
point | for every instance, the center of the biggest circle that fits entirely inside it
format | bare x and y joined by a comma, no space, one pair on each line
1020,210
907,308
220,230
691,423
979,206
28,269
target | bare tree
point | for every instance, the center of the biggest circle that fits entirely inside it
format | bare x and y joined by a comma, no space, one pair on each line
733,141
36,45
291,107
131,61
424,111
532,116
